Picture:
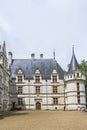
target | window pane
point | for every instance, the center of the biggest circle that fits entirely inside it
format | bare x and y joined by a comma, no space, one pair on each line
19,90
54,89
37,89
19,78
77,74
78,87
37,79
55,101
20,101
54,78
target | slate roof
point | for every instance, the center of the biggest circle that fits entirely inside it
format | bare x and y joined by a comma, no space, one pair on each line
73,64
29,66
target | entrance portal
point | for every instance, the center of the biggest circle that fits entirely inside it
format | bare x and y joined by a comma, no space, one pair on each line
13,105
38,106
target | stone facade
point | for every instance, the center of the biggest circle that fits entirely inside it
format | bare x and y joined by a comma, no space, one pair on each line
75,90
4,80
40,84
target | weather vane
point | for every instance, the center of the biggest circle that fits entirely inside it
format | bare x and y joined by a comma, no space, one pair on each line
54,53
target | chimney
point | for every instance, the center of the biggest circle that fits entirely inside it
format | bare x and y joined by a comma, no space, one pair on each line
10,56
41,56
33,56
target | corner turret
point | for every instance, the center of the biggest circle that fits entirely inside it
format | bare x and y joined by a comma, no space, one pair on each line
74,81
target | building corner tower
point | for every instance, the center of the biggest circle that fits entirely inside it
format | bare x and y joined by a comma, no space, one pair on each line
74,81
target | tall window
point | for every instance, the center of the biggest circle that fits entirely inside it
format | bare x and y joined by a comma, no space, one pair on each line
55,101
19,90
78,93
78,88
37,79
54,79
77,74
19,78
37,89
78,100
54,89
20,101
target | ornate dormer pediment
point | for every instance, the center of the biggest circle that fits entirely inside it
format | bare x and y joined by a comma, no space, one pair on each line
19,72
37,72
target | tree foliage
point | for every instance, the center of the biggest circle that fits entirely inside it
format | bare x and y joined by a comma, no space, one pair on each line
83,68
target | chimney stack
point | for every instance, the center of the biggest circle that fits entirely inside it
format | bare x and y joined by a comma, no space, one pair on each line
33,56
41,56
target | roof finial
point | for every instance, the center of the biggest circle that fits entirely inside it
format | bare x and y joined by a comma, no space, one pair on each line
54,53
73,49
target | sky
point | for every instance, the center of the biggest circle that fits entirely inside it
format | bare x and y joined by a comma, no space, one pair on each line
40,26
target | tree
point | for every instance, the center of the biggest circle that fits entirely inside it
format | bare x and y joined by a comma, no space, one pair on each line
83,68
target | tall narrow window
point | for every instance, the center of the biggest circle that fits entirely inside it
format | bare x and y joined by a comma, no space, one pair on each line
37,79
19,78
78,100
54,89
78,88
55,101
37,89
20,101
54,79
19,90
78,93
77,74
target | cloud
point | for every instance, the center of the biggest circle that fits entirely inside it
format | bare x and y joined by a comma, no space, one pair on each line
5,30
41,25
6,27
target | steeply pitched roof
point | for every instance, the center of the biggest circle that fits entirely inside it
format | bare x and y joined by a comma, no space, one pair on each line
73,64
29,66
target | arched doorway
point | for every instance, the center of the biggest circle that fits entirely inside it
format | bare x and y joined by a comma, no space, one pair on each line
38,106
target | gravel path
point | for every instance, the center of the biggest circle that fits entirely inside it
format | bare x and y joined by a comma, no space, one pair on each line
44,120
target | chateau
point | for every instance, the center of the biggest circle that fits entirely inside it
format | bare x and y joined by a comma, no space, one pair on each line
40,84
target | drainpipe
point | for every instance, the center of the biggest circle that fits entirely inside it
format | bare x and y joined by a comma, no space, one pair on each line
29,92
46,95
64,97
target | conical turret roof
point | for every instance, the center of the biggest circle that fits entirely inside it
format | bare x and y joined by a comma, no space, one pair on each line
73,64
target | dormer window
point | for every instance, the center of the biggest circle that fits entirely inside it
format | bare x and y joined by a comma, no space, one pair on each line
54,79
77,74
54,76
19,78
37,79
37,76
